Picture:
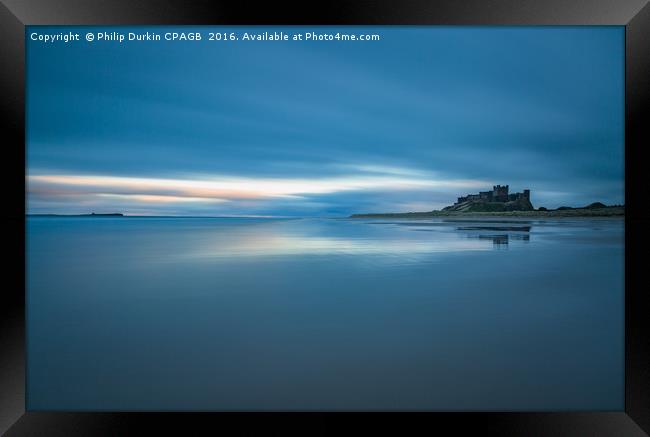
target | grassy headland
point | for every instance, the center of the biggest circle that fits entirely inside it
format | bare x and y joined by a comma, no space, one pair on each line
593,210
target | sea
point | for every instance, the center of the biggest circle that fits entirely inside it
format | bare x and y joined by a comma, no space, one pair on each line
311,314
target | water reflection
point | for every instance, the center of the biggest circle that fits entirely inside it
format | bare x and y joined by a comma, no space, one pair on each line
254,314
503,239
341,237
253,244
497,240
495,228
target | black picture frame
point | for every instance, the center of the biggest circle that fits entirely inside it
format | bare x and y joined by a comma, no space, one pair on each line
633,14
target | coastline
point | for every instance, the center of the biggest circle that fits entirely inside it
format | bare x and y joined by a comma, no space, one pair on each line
612,211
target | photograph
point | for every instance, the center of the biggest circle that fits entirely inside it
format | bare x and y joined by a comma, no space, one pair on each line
325,218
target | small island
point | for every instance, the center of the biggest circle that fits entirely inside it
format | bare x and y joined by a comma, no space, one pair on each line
499,202
92,214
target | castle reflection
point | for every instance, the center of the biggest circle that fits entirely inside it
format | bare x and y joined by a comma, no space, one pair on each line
503,239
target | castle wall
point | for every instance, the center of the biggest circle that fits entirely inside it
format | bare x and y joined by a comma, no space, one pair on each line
499,193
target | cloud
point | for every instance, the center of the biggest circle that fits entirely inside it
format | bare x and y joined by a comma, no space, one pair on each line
242,193
328,129
154,198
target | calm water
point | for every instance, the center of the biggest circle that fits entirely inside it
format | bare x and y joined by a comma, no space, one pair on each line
267,314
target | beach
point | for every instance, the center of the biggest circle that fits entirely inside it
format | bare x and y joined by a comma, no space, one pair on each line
308,314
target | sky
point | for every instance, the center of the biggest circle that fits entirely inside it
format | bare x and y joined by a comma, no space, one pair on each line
324,128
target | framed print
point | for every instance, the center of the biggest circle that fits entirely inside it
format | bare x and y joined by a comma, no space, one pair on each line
433,210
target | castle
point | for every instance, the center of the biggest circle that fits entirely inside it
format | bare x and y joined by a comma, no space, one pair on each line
499,193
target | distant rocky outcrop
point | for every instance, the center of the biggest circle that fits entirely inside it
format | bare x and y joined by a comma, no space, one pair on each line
521,204
92,214
499,202
596,205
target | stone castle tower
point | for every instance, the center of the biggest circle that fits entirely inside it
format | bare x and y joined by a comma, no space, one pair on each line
500,194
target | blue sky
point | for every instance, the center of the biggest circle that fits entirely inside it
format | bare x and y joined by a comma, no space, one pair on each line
407,123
